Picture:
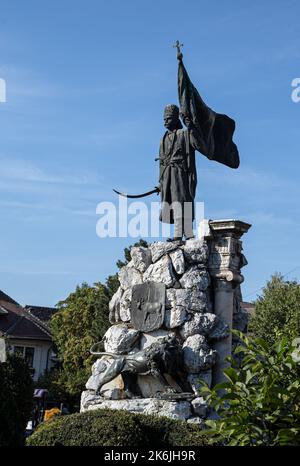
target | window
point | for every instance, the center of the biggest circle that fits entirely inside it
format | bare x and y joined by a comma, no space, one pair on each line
29,355
26,352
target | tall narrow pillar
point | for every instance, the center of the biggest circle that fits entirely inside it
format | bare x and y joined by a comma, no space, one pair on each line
225,262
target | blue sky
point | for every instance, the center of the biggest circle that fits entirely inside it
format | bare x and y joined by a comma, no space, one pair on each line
86,85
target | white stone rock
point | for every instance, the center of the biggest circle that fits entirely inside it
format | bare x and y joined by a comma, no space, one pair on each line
148,338
197,356
180,410
177,259
129,276
195,278
192,300
150,386
220,331
199,406
114,306
204,230
172,409
195,380
161,272
175,317
125,304
170,298
120,339
160,248
202,324
196,251
141,258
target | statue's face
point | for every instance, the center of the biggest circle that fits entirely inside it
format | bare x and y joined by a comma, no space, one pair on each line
170,122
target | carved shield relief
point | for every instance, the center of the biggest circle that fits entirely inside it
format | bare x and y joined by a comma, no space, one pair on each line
148,306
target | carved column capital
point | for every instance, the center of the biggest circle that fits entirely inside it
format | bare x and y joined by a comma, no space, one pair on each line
226,258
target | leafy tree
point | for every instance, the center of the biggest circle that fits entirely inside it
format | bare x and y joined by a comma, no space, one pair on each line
81,321
16,400
260,402
277,311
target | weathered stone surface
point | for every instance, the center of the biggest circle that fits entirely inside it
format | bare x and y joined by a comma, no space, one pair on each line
141,258
177,285
129,276
175,317
195,278
177,259
120,339
196,251
220,331
125,304
172,409
151,387
194,380
197,356
202,324
204,231
161,272
170,298
199,406
160,248
114,306
113,390
148,338
191,300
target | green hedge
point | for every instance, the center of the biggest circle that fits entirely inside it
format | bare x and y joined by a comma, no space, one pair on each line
115,428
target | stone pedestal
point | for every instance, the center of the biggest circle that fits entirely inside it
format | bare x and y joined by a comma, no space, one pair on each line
195,303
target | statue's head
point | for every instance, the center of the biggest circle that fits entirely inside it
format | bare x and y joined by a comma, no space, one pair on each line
171,117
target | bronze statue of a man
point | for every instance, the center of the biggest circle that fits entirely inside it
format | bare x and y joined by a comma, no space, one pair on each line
207,132
178,176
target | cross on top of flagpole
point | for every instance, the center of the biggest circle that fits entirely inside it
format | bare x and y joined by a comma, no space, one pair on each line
177,45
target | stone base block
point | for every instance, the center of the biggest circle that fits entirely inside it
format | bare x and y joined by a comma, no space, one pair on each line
180,410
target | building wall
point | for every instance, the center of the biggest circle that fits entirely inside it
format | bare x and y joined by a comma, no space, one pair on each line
42,352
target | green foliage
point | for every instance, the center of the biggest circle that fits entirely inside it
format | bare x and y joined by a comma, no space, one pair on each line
260,402
116,428
277,311
81,320
16,400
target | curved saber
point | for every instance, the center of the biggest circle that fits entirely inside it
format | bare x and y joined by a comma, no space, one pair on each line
135,196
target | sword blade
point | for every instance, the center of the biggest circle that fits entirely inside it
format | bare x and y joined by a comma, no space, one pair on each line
135,196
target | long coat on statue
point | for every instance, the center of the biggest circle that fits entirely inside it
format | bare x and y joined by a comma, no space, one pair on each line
177,174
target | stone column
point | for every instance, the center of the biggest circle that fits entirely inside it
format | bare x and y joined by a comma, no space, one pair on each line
225,263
